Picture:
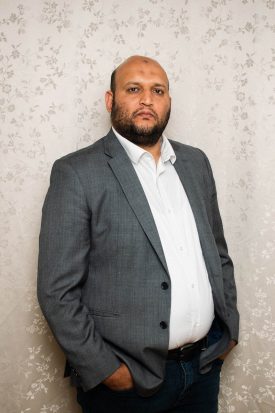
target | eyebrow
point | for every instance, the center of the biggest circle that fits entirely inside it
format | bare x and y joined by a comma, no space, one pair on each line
138,83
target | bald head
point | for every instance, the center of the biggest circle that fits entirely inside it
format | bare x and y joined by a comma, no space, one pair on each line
139,100
135,62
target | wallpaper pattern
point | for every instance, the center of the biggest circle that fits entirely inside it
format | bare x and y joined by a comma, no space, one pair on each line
55,62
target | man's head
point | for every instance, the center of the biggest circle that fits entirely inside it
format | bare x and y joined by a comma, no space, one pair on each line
139,100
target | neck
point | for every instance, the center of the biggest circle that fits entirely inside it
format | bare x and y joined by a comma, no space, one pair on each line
154,150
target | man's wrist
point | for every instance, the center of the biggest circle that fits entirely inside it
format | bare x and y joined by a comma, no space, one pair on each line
112,376
121,379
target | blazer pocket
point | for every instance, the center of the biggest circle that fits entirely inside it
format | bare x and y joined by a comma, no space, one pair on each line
102,313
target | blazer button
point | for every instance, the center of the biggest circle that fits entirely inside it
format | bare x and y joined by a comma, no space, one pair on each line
75,372
164,285
163,325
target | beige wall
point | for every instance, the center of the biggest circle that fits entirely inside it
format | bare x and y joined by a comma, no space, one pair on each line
55,62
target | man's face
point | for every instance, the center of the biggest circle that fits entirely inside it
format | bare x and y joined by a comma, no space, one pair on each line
140,106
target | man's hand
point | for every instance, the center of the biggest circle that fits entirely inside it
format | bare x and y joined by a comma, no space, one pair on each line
232,344
120,380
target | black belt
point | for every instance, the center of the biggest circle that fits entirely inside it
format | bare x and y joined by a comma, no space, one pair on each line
188,351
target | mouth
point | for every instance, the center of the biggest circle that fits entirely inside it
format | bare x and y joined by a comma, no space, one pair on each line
145,114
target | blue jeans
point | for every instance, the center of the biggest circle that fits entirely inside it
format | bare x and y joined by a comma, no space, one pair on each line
184,390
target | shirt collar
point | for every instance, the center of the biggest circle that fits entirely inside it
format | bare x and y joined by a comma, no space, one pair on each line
167,151
135,152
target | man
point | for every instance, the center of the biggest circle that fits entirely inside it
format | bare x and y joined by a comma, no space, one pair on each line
134,277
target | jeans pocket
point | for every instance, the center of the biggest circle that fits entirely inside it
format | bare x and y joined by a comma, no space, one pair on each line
217,362
123,391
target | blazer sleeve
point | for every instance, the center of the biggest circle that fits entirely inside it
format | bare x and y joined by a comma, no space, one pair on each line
64,247
230,293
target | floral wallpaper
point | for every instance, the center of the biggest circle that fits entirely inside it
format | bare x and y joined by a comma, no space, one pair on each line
55,63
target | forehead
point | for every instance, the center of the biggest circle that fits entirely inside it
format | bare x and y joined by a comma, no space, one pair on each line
141,71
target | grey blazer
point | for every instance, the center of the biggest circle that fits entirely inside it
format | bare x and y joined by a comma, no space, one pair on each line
101,264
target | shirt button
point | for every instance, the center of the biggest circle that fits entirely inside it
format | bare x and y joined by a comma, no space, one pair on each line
164,285
181,248
163,325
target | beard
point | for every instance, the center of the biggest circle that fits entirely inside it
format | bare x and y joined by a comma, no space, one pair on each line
124,124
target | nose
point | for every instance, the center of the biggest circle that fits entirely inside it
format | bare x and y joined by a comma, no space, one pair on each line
146,98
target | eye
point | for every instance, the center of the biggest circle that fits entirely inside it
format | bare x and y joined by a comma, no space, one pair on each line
133,89
159,91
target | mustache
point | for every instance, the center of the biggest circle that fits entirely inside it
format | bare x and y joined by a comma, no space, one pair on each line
151,111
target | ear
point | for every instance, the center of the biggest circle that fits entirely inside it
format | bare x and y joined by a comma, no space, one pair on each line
109,100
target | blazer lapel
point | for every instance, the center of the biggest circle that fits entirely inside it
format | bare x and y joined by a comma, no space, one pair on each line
133,191
198,202
187,175
189,179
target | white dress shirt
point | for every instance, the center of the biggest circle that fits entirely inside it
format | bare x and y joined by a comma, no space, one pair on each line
192,308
